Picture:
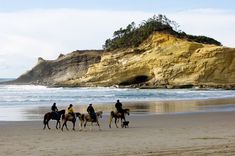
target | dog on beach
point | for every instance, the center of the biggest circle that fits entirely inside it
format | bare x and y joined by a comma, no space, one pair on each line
125,124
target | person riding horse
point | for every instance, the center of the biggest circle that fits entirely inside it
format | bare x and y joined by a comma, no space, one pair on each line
54,110
118,106
71,111
91,112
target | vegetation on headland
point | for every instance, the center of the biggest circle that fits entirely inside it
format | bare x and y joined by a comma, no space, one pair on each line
133,35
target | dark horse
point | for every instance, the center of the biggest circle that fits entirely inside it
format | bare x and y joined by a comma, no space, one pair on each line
117,115
48,116
69,117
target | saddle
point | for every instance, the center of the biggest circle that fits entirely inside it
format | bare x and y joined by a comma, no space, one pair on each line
55,115
119,113
73,116
93,117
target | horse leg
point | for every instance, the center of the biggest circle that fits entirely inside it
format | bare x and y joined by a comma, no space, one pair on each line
59,123
48,124
116,122
81,124
62,127
98,124
74,125
91,127
110,121
64,124
44,122
85,124
124,118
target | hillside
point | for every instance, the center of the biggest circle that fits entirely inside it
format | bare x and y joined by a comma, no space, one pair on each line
161,61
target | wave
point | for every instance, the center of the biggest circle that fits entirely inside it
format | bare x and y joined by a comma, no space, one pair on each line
39,95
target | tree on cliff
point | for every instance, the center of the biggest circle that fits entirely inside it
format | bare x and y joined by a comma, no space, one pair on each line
132,36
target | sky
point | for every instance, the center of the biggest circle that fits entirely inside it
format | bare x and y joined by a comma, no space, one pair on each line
46,28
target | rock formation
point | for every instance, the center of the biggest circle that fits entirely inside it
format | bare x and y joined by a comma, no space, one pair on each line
160,61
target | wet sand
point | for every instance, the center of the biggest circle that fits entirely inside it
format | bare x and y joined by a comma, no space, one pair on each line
168,134
137,108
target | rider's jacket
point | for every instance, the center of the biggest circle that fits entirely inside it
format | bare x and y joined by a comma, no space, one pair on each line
70,110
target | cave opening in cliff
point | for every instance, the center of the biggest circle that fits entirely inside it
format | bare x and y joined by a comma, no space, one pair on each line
135,80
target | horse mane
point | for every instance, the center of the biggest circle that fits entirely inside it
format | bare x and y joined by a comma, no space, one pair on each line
99,112
62,111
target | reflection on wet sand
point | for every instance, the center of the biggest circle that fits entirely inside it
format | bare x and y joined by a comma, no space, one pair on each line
183,106
157,107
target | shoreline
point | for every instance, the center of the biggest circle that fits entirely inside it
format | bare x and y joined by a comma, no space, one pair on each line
137,108
208,133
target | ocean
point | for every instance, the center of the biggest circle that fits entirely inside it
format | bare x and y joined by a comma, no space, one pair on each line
16,99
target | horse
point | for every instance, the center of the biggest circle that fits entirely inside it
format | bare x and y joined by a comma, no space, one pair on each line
84,118
48,116
69,117
117,115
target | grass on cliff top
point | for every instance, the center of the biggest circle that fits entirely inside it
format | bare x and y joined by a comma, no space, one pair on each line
133,36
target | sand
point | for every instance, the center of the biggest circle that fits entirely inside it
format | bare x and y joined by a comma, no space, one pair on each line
169,134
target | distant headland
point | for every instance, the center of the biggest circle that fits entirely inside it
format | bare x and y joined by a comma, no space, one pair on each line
154,54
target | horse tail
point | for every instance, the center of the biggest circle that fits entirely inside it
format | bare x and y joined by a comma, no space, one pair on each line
63,116
83,117
45,119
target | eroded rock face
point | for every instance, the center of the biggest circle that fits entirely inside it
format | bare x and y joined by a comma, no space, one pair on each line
65,68
161,61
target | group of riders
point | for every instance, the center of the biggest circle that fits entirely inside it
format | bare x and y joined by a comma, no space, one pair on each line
90,110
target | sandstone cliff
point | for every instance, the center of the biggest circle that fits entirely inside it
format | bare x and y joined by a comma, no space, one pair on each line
161,61
64,68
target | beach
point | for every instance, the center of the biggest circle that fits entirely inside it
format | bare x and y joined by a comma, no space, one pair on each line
199,133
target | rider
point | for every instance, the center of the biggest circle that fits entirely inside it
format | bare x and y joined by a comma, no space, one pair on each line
91,112
54,110
118,106
70,110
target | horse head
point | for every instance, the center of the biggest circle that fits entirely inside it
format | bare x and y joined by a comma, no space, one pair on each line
61,112
99,114
78,114
126,111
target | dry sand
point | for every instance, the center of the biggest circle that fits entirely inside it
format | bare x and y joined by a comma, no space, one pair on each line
172,134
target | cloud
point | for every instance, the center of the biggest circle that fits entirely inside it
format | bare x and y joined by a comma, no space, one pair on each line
218,24
27,35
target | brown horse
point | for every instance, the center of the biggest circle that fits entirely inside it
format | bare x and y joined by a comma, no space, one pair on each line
84,118
49,116
117,115
69,117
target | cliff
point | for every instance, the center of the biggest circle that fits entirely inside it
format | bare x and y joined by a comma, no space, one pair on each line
64,68
160,61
